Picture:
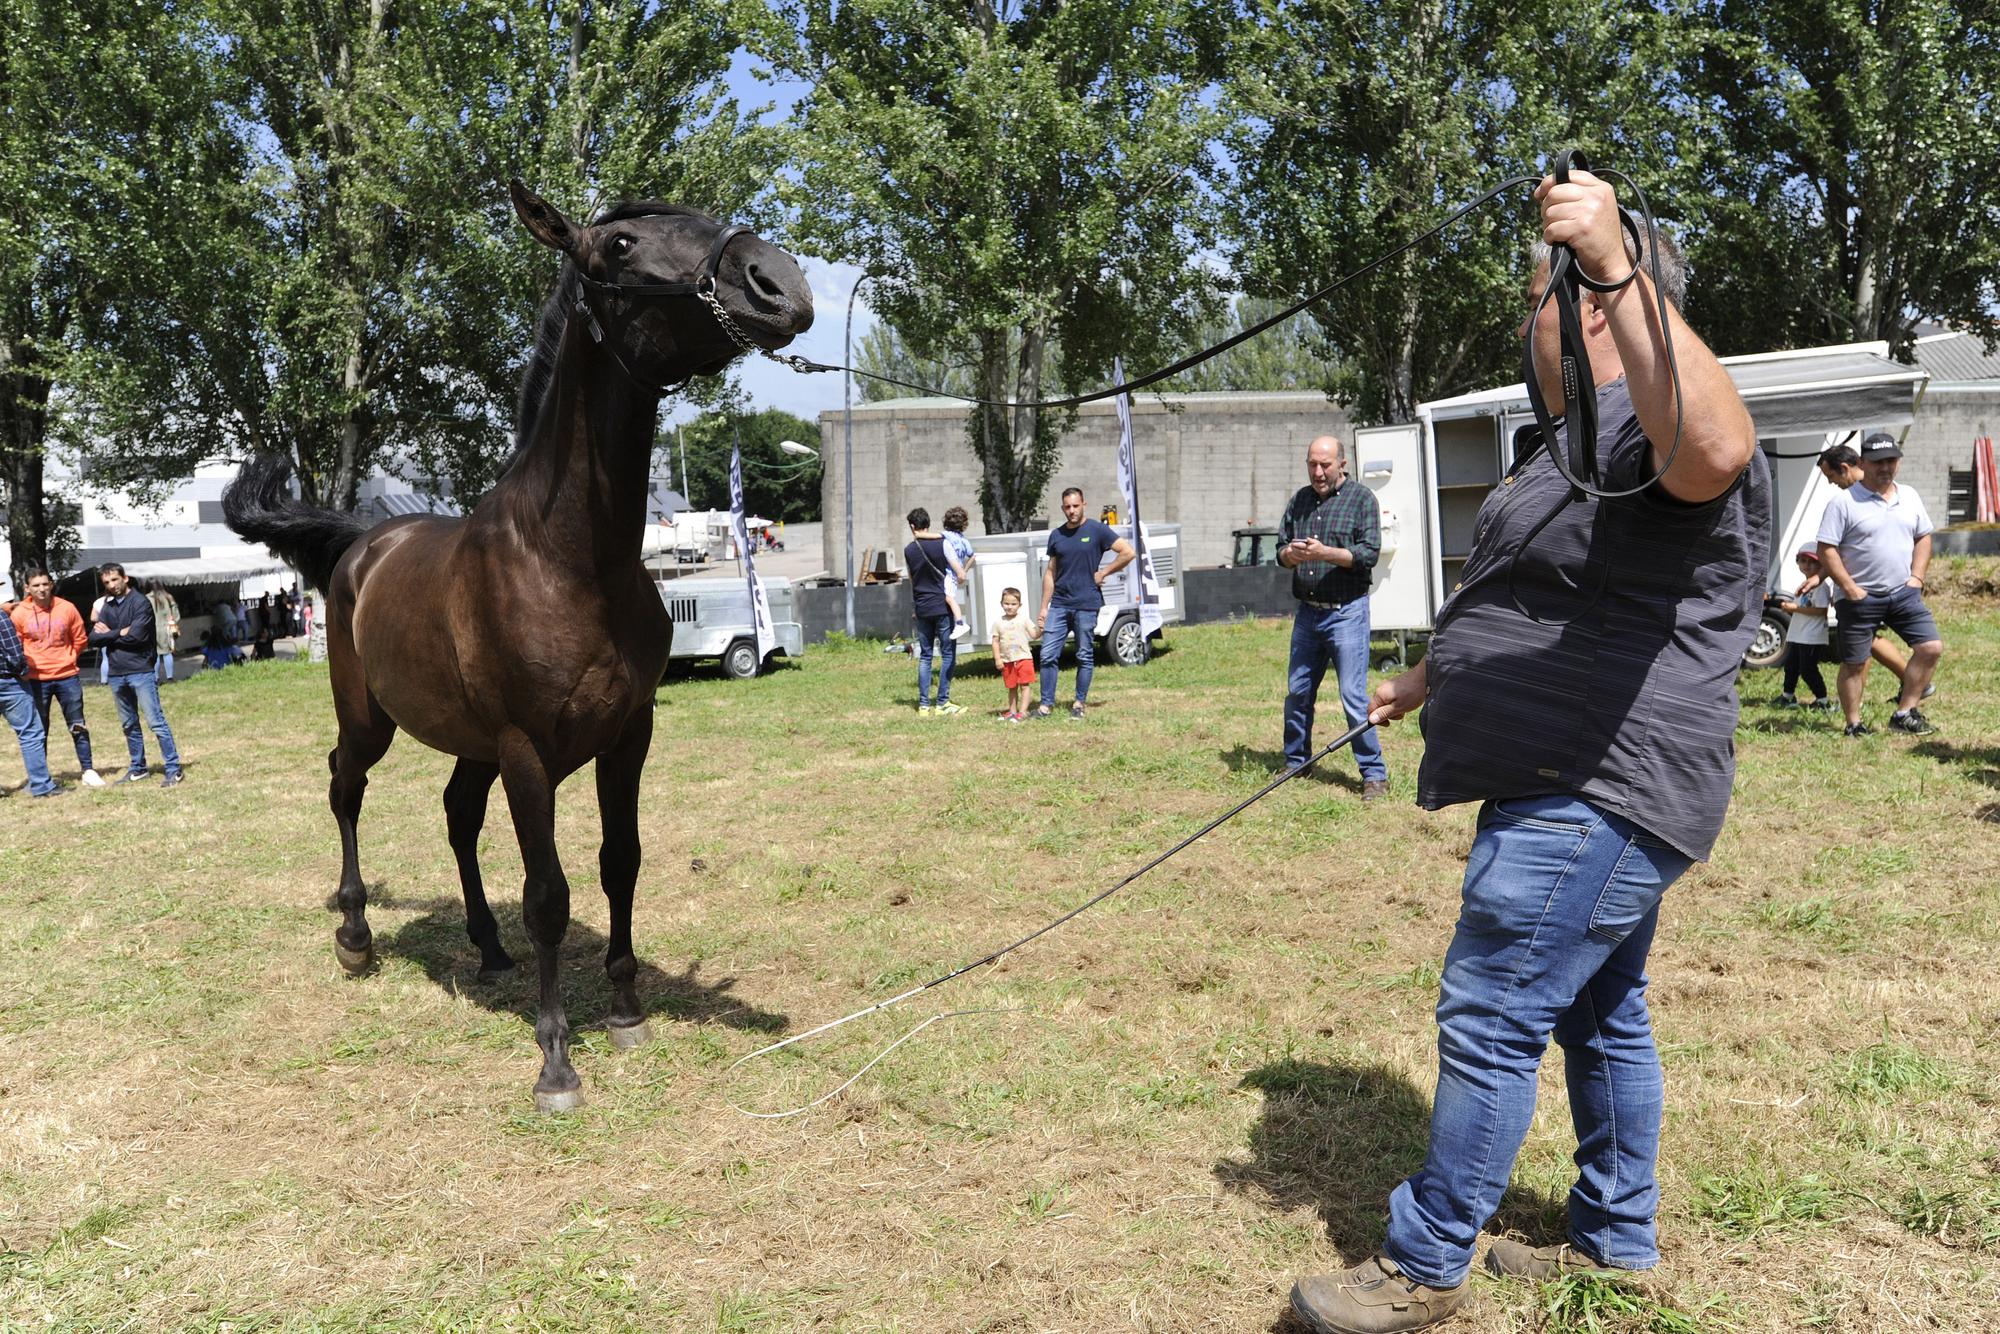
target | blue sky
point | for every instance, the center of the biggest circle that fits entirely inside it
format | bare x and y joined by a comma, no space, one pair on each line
765,383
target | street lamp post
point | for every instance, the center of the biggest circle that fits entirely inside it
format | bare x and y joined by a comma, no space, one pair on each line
847,427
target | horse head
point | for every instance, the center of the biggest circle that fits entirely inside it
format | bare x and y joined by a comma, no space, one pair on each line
677,293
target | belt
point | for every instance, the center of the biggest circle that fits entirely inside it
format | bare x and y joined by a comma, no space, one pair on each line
1329,606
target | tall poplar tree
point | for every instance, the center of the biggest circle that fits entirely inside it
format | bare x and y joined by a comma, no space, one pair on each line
1856,189
112,121
1026,179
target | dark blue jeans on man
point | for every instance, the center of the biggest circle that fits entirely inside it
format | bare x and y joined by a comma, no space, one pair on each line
934,634
1339,636
67,692
1057,625
134,692
1560,903
17,702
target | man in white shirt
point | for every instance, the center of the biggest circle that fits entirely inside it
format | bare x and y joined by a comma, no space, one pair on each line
1875,544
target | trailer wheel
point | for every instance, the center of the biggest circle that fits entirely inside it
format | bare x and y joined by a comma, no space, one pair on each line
1125,644
739,660
1768,648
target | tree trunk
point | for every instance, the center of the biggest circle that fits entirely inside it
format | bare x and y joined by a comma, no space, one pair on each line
991,439
1403,375
24,398
1027,434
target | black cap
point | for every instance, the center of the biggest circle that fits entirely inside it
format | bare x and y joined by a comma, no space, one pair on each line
1880,445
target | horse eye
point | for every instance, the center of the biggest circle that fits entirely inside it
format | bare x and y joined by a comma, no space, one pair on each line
621,244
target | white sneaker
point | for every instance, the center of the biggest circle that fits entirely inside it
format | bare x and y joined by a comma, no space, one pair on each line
91,778
960,632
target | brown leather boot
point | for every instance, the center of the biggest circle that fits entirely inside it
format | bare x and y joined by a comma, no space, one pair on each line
1374,1297
1517,1259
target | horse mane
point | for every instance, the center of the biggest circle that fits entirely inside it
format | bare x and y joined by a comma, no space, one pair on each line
535,380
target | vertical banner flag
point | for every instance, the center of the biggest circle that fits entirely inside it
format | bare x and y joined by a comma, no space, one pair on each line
1147,582
760,608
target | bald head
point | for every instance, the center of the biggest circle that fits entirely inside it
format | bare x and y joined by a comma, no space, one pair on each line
1326,464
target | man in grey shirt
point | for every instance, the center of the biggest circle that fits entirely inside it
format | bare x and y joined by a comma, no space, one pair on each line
1875,544
1596,731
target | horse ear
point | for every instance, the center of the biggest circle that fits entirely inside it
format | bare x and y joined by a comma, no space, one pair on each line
542,218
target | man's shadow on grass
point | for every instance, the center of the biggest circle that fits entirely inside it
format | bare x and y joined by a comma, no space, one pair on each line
1339,1137
436,942
1981,763
1245,759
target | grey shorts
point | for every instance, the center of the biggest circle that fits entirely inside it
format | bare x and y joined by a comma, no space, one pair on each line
1901,610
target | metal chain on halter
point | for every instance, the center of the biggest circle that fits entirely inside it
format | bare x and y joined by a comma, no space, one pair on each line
705,290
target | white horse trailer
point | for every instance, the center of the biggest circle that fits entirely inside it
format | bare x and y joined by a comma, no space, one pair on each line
1017,560
712,619
1433,474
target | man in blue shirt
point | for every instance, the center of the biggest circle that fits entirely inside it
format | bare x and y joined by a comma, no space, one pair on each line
1073,594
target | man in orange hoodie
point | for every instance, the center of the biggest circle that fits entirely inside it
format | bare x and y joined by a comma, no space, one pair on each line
53,635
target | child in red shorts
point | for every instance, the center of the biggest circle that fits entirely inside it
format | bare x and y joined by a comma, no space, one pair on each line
1017,660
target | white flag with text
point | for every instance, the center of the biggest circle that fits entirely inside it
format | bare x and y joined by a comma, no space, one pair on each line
1143,577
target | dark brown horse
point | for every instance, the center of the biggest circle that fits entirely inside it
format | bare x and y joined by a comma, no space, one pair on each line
526,639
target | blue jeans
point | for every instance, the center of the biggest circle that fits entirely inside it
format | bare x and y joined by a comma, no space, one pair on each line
140,690
17,701
1560,903
1058,624
69,693
934,633
1338,635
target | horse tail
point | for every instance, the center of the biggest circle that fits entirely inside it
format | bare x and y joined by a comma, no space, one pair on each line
258,508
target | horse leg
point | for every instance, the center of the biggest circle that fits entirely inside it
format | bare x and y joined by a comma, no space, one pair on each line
464,816
618,771
531,792
363,741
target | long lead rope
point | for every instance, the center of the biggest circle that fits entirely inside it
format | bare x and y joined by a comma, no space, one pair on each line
807,366
1343,739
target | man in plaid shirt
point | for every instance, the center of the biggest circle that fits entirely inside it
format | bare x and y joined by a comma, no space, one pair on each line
1330,538
17,701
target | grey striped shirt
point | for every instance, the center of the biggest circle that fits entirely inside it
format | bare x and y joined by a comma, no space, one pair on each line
1632,704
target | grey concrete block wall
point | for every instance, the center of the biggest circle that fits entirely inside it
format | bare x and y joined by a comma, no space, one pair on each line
1948,420
1209,462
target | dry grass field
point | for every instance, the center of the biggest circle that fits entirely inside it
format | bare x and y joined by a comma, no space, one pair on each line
1197,1091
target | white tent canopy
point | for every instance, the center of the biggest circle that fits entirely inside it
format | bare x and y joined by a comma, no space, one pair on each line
207,569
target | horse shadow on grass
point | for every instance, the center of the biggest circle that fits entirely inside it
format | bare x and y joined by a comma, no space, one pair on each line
1247,759
1338,1137
435,941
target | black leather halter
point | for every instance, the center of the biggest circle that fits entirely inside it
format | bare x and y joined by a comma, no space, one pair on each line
701,287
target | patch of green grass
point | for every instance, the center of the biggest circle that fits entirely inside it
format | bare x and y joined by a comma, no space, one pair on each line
1589,1304
1760,1199
1819,917
1861,866
1174,1092
1886,1071
1422,978
1043,1202
1954,1215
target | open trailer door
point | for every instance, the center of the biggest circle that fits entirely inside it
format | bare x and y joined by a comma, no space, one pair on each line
1389,460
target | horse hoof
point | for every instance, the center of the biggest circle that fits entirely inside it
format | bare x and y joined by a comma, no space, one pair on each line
500,974
356,962
562,1100
627,1036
